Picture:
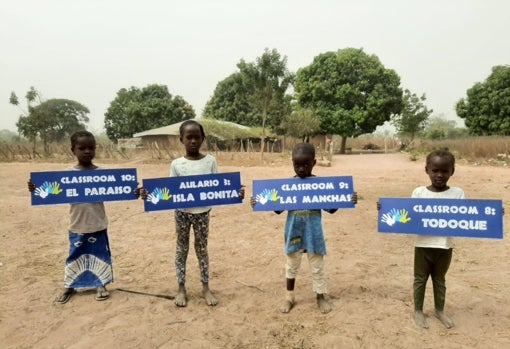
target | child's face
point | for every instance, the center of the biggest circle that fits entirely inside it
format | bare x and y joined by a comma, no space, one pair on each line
303,164
85,150
439,169
192,139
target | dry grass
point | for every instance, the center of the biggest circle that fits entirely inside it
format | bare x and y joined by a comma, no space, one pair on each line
479,150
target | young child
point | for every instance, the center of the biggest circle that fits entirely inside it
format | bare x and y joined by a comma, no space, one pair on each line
304,234
192,136
433,254
89,262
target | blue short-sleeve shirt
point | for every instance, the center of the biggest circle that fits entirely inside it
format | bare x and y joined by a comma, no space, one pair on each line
303,231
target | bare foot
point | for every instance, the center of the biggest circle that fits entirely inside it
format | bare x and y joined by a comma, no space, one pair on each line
447,322
180,298
323,304
419,319
287,306
209,298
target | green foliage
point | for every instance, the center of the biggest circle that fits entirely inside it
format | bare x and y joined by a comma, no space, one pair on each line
52,120
9,136
351,91
413,155
440,128
302,123
255,95
413,117
486,109
230,102
269,80
32,94
59,118
13,99
134,110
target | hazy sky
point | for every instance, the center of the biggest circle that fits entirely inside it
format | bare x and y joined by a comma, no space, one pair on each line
88,50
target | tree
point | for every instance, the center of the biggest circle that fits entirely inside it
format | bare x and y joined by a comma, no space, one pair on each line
7,135
269,80
486,109
52,120
439,127
255,95
24,126
351,91
413,117
230,102
134,110
302,124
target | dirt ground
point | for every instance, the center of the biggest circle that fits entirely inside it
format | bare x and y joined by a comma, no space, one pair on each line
369,273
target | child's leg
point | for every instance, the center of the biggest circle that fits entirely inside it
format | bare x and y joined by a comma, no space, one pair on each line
319,281
422,267
182,229
438,274
291,271
201,229
289,296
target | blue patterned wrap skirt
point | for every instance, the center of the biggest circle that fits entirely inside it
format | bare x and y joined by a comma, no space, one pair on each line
89,263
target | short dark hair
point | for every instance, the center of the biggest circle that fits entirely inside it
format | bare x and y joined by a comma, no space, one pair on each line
191,122
304,148
442,153
78,134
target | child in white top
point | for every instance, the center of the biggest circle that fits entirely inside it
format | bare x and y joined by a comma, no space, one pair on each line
192,136
433,254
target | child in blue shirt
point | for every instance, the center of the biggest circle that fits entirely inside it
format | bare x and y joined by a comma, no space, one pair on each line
304,234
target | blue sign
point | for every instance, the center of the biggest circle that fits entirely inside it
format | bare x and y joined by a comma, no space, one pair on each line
310,193
442,217
71,187
169,193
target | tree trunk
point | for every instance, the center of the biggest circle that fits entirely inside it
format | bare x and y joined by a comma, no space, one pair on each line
263,138
46,147
342,145
34,152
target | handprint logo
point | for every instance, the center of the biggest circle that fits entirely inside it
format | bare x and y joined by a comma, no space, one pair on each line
55,188
48,188
267,195
403,216
273,195
159,194
394,216
388,219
